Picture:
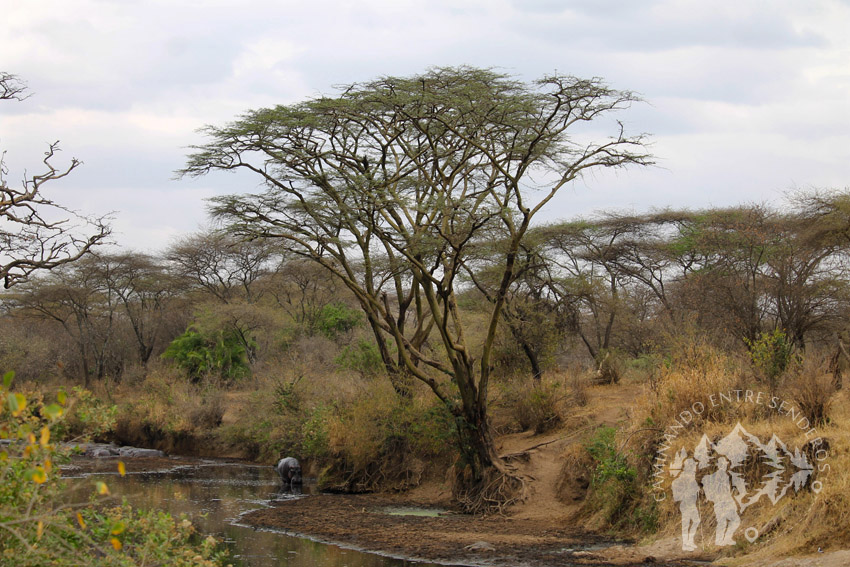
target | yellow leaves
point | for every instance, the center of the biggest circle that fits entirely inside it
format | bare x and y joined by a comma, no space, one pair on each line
61,397
39,530
39,476
45,436
101,488
117,528
4,456
122,470
116,543
81,521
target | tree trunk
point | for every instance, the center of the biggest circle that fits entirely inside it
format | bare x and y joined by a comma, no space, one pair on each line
536,371
483,481
399,379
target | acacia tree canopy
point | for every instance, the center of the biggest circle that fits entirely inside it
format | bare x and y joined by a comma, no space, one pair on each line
391,184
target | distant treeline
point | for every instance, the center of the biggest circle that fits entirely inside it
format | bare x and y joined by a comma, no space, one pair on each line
587,288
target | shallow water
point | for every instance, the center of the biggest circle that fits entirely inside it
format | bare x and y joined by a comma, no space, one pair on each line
413,511
215,494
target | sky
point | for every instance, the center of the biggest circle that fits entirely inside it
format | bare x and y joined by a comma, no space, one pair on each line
744,100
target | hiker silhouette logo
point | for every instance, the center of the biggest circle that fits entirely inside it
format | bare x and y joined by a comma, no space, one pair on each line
712,471
731,473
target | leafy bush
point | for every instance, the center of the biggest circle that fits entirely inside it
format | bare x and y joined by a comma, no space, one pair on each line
41,525
337,318
771,354
610,464
363,357
613,486
199,354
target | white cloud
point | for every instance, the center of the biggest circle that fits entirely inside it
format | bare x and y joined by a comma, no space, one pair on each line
746,98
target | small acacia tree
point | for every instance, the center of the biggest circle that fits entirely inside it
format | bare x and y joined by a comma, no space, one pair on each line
391,184
37,233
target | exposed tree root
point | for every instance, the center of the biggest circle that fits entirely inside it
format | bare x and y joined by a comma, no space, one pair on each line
497,490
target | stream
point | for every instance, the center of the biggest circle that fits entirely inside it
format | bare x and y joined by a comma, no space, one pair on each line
214,494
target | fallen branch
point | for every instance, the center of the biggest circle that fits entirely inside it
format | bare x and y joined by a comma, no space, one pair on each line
525,451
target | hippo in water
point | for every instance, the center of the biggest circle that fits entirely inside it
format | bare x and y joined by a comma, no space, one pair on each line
289,470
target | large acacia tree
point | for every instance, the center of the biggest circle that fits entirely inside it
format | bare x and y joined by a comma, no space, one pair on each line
392,183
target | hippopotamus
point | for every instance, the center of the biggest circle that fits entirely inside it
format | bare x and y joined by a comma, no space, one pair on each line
289,470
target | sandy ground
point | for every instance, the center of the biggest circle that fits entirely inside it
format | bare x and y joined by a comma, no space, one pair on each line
362,521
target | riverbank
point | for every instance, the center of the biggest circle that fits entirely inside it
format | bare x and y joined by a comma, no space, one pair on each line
373,522
541,532
566,518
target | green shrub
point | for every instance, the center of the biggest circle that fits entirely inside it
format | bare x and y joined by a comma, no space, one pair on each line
613,488
771,354
610,464
337,318
363,357
199,354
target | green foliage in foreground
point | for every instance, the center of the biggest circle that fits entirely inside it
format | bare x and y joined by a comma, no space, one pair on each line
614,488
200,354
41,523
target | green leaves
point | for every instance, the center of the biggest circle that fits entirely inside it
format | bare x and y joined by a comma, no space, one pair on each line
17,403
218,352
7,380
337,318
53,411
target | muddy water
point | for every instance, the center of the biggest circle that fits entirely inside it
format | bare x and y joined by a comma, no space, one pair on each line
215,494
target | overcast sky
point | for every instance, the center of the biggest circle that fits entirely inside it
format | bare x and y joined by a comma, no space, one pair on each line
745,100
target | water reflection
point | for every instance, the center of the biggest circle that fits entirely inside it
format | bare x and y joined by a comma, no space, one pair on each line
215,494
